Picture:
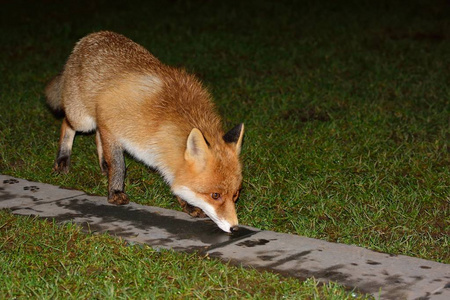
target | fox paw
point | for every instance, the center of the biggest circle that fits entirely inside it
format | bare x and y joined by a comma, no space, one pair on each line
191,210
195,212
61,165
104,167
118,198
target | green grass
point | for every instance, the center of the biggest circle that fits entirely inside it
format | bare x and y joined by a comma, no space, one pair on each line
346,108
43,260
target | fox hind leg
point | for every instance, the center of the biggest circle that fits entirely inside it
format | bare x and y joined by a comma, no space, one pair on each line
62,161
101,159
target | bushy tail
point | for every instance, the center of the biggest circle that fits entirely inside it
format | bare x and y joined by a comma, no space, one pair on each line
53,93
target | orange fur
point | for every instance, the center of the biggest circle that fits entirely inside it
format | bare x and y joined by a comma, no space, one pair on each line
161,115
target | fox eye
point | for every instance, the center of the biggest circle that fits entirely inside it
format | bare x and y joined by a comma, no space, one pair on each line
215,196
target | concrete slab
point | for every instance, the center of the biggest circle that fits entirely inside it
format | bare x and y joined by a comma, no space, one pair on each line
15,192
382,275
157,227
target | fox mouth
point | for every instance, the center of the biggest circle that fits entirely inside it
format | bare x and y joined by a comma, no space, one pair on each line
223,224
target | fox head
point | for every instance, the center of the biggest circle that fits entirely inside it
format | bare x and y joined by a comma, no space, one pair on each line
212,175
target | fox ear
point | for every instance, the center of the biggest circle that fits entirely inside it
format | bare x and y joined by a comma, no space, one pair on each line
196,149
235,136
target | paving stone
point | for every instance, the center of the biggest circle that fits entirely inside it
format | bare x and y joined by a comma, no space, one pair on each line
15,192
382,275
157,227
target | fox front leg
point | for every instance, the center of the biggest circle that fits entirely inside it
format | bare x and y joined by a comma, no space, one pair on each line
191,210
114,163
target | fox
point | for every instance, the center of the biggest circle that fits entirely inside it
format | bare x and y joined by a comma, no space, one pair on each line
161,115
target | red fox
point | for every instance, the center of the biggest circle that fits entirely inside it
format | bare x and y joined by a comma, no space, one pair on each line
160,115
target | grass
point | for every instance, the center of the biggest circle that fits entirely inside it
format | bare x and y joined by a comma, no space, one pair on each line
346,108
48,261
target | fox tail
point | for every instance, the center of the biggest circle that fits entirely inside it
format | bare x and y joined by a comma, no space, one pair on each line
53,93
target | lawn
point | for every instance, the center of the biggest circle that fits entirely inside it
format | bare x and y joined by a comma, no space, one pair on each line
345,104
42,260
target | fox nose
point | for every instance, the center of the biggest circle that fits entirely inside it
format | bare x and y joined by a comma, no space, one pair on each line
234,229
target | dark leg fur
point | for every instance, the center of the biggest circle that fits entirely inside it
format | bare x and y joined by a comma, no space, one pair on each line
115,166
62,161
104,167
